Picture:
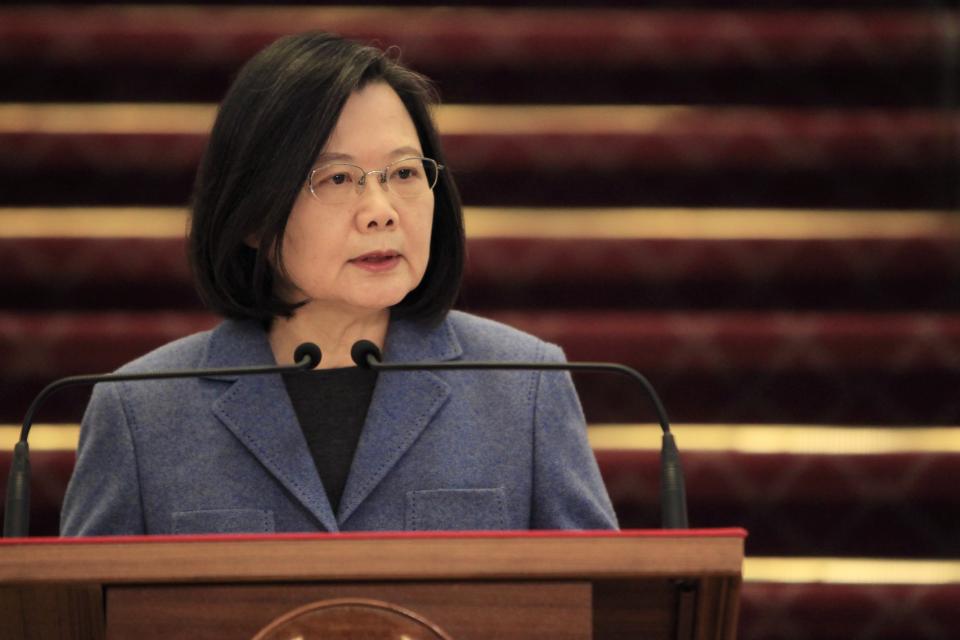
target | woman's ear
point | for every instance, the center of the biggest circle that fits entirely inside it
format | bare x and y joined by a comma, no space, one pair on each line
254,241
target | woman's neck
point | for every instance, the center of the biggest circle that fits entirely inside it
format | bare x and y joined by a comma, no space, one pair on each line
335,333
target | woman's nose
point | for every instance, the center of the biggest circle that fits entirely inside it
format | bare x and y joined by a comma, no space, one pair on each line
375,212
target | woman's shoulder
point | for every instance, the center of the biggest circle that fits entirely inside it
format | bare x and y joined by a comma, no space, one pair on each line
210,348
483,338
183,353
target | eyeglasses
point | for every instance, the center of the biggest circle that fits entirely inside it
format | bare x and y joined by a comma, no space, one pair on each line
341,183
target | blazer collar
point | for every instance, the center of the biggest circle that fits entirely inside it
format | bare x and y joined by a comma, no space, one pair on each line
412,342
258,411
403,404
236,343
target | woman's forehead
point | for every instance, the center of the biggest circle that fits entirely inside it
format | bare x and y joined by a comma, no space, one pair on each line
396,154
373,125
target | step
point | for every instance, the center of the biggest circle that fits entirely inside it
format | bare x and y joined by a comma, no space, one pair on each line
803,504
655,259
663,55
839,611
535,156
812,597
917,5
852,368
813,491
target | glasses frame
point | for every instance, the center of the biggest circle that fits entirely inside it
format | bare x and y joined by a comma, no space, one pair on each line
381,175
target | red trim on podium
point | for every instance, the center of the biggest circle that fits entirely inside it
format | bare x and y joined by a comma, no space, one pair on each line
389,535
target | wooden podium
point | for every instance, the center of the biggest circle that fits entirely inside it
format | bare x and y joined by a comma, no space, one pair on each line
631,584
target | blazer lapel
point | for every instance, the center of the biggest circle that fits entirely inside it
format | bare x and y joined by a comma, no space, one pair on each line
403,404
257,410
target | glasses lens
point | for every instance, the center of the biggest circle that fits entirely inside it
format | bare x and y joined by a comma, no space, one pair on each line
412,177
335,183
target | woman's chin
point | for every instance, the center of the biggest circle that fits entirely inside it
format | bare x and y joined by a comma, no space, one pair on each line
380,300
368,305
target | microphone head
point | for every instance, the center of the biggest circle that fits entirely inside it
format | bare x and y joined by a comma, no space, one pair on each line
309,351
361,351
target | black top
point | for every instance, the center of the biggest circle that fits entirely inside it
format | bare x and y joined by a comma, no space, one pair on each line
331,405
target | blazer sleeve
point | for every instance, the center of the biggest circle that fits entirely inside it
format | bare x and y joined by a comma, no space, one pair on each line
568,492
103,497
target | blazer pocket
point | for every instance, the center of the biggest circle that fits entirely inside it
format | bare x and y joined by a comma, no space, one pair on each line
456,510
223,521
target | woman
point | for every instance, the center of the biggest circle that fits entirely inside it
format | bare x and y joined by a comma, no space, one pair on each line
323,212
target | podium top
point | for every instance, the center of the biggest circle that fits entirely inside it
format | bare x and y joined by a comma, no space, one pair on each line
731,532
374,556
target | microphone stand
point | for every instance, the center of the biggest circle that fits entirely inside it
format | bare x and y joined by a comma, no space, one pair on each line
16,515
673,494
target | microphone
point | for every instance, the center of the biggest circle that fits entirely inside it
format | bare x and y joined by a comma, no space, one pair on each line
673,494
16,514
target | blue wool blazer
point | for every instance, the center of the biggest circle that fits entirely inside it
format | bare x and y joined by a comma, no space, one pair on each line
461,450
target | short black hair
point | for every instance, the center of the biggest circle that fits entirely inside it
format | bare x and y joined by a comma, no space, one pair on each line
272,124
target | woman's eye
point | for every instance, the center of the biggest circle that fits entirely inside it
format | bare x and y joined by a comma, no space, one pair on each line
405,173
331,180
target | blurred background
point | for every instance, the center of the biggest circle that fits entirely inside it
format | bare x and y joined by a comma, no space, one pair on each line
756,204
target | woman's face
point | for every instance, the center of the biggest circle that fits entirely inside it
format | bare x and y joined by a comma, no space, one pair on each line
367,254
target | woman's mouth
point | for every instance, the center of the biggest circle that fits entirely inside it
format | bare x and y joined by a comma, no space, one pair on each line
377,260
